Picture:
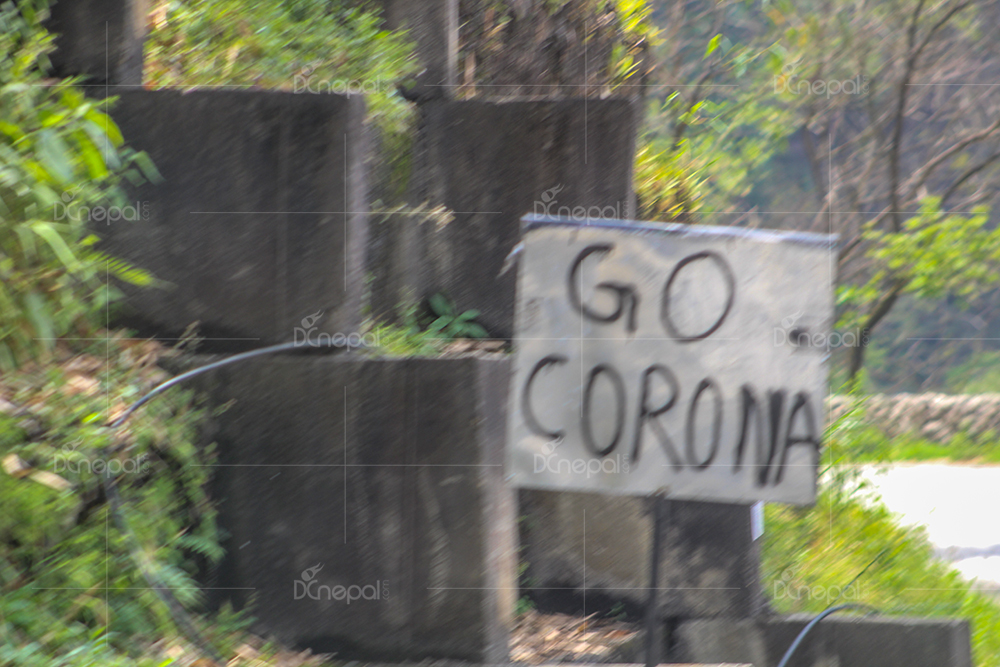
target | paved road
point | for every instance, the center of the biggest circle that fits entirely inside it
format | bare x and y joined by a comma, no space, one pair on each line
959,505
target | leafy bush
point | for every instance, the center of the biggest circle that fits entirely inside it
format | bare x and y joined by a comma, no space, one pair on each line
705,146
68,577
305,46
404,340
449,323
60,156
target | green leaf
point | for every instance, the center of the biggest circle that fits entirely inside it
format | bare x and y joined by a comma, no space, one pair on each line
121,269
713,44
476,331
37,312
11,130
54,239
147,167
106,126
53,153
92,157
439,324
441,305
103,144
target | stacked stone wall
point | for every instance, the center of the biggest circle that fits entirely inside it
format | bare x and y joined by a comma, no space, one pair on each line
937,417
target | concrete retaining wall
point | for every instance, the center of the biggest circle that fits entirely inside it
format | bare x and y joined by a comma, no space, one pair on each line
100,40
260,219
491,163
384,475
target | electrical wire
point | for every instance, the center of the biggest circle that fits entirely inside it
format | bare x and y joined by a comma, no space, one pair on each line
813,623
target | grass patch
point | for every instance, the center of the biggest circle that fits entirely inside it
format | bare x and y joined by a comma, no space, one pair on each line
846,549
842,550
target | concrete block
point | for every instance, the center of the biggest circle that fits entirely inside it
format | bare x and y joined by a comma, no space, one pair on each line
853,641
260,219
384,475
723,639
493,162
100,40
709,565
872,642
433,25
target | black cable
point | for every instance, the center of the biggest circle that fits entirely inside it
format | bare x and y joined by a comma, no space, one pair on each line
813,623
204,369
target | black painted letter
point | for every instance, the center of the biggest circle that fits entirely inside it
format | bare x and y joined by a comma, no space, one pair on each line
707,383
529,415
627,298
585,418
649,414
810,437
665,317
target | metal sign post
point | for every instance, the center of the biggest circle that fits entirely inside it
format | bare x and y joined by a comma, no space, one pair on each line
654,640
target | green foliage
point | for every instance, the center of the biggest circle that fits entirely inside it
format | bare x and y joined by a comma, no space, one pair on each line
229,627
70,591
419,335
704,149
936,254
669,184
523,606
638,33
940,254
60,156
92,651
451,324
306,46
938,265
407,339
849,548
980,374
846,550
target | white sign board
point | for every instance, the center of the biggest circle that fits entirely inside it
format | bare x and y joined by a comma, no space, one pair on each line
669,358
